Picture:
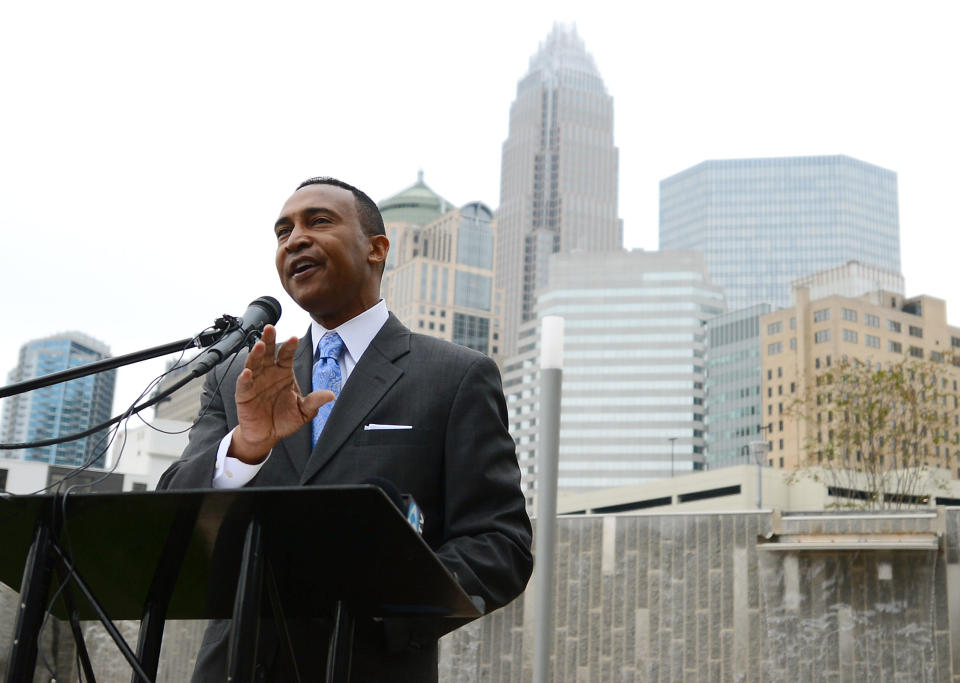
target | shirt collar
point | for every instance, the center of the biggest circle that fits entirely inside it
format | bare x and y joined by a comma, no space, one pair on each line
356,333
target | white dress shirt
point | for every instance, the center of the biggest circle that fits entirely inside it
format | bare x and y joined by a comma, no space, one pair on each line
356,333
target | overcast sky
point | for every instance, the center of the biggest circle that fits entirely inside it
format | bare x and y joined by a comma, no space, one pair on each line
146,149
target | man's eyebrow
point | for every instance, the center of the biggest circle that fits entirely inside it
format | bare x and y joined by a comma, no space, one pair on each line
307,213
316,210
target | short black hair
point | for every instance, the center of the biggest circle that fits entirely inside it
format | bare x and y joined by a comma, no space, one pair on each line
371,222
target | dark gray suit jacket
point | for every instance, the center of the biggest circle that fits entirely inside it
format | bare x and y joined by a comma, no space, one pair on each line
459,463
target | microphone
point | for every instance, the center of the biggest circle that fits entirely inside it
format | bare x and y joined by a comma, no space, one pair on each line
404,501
246,330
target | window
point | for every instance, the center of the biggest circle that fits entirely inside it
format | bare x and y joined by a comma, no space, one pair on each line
916,352
893,326
793,343
850,336
821,336
773,349
793,323
895,347
821,315
955,342
916,331
872,341
848,314
775,328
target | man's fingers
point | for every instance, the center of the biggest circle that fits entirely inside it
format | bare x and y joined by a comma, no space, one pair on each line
245,390
269,339
311,402
285,354
255,358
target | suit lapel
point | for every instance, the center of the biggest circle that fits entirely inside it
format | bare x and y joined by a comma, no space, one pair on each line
297,445
370,379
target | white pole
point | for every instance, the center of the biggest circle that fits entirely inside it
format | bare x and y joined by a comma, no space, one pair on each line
548,454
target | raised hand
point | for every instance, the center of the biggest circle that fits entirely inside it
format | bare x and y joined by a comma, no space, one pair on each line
270,405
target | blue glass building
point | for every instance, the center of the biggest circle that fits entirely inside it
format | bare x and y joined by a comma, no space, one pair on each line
761,223
734,378
60,409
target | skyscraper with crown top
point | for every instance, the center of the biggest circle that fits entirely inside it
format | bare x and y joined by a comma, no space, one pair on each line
558,182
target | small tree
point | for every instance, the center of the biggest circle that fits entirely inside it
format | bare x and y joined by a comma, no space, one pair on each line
873,430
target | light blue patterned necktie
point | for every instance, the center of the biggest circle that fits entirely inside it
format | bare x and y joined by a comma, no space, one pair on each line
326,375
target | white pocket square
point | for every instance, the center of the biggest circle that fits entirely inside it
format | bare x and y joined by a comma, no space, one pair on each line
376,426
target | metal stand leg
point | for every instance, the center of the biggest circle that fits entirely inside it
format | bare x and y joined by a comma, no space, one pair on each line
242,652
33,600
341,645
286,644
161,588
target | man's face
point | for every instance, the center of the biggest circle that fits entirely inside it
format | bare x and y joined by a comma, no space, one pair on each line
325,261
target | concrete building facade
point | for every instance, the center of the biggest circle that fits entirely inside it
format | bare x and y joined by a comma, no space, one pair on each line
559,173
633,377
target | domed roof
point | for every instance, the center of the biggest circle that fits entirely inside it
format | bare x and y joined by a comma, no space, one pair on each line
418,204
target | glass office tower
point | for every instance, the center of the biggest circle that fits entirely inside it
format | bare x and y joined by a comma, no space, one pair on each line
558,180
761,223
734,380
61,409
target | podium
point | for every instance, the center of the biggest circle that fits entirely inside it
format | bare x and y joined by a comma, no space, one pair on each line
342,551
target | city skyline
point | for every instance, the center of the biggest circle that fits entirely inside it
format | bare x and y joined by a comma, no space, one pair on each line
148,183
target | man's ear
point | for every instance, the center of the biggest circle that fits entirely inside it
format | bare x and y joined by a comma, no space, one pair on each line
379,246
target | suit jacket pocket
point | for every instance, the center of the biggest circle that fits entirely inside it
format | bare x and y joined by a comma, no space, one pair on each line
394,437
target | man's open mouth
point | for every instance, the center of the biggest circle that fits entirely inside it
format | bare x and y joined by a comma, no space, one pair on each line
302,267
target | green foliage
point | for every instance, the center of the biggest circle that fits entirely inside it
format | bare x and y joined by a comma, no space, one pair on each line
874,429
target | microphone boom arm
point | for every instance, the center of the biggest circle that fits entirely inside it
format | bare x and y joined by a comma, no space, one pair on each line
204,340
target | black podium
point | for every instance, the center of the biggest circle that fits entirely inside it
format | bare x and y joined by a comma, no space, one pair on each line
291,552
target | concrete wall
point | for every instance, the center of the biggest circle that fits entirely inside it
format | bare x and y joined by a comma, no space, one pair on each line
696,597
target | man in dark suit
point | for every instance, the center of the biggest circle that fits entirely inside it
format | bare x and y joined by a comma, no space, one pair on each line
426,414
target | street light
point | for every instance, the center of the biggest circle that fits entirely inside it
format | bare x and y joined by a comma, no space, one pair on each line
759,450
672,441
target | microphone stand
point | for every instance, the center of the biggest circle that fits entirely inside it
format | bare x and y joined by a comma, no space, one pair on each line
223,325
202,341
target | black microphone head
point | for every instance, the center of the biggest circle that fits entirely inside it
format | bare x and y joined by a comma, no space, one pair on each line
271,306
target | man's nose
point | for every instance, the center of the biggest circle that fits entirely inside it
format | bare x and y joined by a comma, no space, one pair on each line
297,240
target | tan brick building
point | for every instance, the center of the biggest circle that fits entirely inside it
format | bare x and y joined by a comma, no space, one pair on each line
439,277
800,342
